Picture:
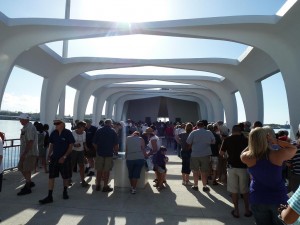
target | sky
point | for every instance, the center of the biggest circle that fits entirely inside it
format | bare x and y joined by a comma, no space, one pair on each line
20,97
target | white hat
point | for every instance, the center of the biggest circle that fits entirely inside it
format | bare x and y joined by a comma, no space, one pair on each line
24,116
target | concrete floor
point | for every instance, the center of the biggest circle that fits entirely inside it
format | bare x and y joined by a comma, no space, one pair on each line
177,204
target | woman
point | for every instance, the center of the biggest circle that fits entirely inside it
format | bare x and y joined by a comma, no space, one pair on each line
185,154
267,188
153,145
135,158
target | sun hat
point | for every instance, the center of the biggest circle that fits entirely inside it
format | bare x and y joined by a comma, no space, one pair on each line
59,120
24,116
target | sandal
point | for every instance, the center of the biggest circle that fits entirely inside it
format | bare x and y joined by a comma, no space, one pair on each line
235,216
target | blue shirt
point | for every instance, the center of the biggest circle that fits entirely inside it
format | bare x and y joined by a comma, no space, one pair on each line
90,133
267,185
106,139
294,203
60,142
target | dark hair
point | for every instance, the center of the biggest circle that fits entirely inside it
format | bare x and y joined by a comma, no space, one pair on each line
163,149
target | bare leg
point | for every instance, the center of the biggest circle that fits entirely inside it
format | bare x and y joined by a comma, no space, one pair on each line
196,177
105,178
246,202
98,177
235,201
204,178
81,171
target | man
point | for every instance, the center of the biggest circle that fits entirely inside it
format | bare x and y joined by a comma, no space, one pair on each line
106,144
28,152
90,131
237,175
60,149
200,141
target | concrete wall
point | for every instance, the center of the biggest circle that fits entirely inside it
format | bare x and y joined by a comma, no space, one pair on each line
141,108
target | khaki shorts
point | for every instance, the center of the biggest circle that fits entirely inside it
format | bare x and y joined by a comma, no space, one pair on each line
238,180
103,163
202,163
28,164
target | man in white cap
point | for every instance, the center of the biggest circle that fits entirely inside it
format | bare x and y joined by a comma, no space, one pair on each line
28,152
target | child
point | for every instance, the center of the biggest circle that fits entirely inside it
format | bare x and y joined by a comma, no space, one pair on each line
159,161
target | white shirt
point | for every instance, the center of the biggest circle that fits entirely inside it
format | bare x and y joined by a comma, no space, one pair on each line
79,139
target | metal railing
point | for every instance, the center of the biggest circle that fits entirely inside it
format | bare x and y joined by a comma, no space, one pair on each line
11,153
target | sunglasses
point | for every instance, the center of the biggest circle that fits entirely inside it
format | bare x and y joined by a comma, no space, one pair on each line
56,123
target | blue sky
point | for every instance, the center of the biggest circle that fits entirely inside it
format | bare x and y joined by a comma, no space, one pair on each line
18,97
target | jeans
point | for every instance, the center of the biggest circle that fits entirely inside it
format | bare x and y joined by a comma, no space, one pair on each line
266,214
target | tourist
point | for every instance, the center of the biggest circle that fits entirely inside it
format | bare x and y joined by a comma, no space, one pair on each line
90,153
237,175
59,157
41,146
267,188
77,156
135,155
28,152
214,159
159,161
106,144
200,140
290,213
185,154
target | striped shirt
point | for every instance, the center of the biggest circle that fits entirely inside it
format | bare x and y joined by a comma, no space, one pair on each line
295,161
294,203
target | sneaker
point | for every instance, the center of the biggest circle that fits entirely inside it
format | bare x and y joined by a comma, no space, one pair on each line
133,191
107,189
87,169
24,191
206,189
84,184
90,174
46,200
195,188
188,183
65,195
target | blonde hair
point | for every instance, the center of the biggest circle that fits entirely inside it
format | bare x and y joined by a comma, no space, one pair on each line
270,131
258,144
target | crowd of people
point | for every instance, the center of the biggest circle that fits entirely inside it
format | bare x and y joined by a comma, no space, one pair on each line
255,164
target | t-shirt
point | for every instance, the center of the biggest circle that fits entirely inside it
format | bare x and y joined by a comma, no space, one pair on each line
200,140
90,133
29,133
106,139
158,142
79,139
215,147
234,145
294,203
60,143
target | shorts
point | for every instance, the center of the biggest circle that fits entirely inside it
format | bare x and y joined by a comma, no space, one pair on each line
161,169
103,163
42,152
77,157
214,162
134,168
65,169
238,180
28,164
202,163
91,153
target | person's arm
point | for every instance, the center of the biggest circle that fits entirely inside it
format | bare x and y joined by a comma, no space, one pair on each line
289,215
29,145
222,149
69,151
143,148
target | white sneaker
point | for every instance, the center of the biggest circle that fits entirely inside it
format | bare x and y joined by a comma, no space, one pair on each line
133,191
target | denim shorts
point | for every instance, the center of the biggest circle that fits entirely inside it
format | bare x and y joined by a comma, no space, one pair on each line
266,214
